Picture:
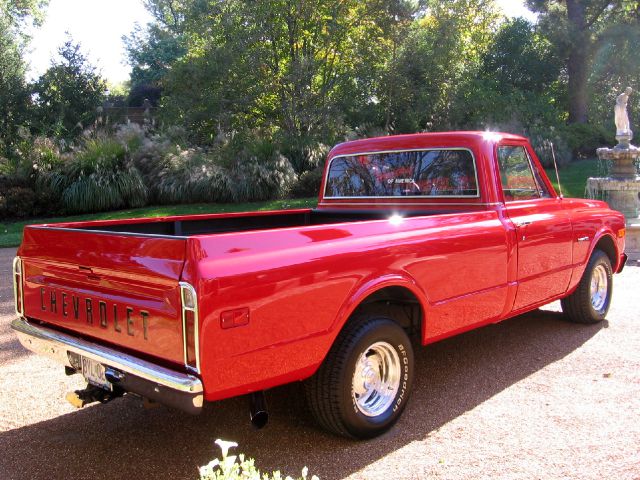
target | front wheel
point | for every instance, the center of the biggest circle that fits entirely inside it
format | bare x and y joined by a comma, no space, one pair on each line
591,300
364,383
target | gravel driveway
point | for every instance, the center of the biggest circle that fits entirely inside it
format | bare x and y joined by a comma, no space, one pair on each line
532,397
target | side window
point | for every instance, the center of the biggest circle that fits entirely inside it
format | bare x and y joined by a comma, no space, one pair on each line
517,175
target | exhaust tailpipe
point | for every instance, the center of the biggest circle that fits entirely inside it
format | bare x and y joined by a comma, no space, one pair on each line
258,410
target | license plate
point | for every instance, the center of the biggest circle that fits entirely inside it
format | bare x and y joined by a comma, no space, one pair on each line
95,374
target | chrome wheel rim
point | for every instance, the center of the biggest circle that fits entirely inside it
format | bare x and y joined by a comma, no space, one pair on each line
599,287
376,379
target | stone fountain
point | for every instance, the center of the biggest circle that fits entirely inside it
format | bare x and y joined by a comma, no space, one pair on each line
621,189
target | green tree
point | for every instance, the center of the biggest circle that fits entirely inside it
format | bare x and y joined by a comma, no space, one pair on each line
13,92
442,51
576,27
68,93
616,65
516,87
151,52
18,13
521,59
294,67
14,95
154,49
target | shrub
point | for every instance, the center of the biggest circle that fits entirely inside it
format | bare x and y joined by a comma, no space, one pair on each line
96,178
547,141
252,171
304,153
258,180
191,176
308,184
584,139
227,468
17,202
131,135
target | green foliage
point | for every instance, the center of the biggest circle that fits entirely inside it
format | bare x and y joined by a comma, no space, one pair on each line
232,467
308,183
68,94
32,156
441,50
17,202
309,73
97,178
151,53
579,29
584,139
259,179
250,170
304,153
616,65
290,67
519,58
19,12
549,142
192,176
14,95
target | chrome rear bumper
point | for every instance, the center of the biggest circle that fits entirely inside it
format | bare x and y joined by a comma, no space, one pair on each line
175,389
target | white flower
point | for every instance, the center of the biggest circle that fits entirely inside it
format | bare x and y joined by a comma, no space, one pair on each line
225,446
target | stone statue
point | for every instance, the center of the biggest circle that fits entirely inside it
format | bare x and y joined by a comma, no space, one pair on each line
622,117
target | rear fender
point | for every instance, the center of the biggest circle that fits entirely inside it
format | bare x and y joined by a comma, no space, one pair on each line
371,286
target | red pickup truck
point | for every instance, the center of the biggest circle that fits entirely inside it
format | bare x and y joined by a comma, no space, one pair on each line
416,236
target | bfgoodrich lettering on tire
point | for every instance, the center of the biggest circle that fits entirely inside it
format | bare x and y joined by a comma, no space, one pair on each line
591,300
364,383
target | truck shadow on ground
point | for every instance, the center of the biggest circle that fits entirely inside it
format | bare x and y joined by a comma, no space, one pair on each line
122,440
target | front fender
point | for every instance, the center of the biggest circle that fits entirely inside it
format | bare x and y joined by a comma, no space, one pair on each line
605,232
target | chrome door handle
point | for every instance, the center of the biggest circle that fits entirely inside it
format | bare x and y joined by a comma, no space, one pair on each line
522,224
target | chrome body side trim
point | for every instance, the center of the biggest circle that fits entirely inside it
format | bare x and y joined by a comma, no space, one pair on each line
54,344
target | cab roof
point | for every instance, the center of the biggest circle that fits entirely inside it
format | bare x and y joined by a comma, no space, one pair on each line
422,140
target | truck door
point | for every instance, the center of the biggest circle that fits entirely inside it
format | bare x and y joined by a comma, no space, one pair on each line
543,228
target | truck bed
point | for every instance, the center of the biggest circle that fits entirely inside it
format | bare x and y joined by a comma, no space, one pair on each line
186,226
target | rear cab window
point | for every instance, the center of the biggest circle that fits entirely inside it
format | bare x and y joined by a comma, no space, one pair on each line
429,172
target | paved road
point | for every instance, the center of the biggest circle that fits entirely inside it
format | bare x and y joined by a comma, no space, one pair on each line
532,397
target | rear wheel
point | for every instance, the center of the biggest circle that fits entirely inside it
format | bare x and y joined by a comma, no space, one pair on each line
591,300
364,383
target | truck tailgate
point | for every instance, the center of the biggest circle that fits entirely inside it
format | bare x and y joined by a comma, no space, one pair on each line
115,288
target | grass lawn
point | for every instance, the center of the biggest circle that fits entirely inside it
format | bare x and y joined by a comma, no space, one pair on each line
11,233
573,178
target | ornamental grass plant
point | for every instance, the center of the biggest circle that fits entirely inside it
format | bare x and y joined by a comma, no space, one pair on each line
96,177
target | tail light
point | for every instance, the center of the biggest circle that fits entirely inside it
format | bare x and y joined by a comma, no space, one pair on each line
18,291
190,335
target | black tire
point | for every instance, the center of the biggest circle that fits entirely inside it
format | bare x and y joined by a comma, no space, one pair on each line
330,394
580,306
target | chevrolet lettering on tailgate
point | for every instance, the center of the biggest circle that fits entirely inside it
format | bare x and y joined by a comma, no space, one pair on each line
96,312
